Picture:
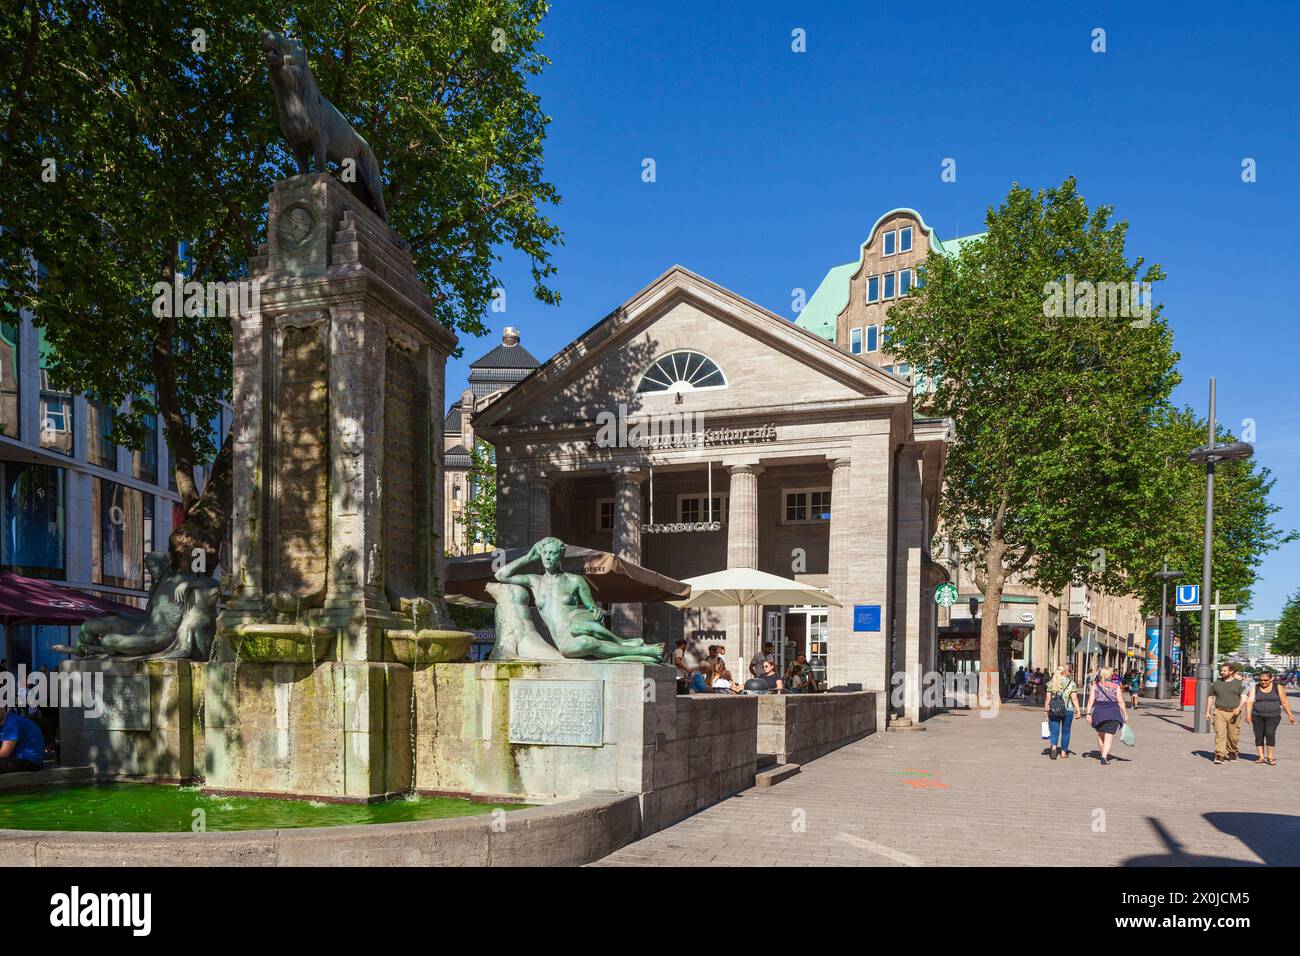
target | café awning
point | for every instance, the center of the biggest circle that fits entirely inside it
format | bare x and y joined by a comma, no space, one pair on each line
36,601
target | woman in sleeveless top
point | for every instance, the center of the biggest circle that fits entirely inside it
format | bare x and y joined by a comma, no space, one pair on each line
1264,706
1106,711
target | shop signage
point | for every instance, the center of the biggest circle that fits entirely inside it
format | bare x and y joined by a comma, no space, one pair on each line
945,595
681,526
657,439
959,643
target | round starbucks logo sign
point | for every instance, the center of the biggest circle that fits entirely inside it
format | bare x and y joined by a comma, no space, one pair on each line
945,595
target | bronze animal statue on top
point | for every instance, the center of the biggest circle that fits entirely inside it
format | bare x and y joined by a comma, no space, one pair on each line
314,129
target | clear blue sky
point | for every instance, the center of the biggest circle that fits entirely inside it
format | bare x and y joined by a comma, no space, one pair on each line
772,165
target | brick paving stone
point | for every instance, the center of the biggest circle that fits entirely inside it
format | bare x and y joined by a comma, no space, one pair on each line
974,790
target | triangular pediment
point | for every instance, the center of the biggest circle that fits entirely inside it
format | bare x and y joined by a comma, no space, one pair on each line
767,362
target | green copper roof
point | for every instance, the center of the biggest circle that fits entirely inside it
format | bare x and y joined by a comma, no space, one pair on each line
832,295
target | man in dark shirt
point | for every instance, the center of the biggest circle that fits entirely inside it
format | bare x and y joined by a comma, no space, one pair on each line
1223,709
22,745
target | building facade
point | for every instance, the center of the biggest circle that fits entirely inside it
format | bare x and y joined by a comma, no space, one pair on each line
490,376
74,507
692,430
1036,629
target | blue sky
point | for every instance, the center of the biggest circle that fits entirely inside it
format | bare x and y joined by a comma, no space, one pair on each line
771,165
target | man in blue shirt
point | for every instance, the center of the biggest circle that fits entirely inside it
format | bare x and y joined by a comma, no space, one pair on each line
22,745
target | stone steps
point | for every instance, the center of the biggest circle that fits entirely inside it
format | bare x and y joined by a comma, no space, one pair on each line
771,777
904,725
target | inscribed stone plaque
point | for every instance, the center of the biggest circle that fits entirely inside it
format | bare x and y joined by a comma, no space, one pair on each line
126,703
563,712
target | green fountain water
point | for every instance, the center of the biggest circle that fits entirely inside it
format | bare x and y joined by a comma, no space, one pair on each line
151,808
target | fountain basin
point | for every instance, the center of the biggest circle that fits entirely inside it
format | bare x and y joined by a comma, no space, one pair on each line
429,646
282,643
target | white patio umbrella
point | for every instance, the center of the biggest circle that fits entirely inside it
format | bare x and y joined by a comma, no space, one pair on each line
741,587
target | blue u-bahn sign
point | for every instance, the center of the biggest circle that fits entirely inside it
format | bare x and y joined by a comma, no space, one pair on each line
1188,595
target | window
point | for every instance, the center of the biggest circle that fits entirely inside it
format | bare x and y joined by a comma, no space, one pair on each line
920,277
807,505
855,341
120,532
455,492
873,338
905,239
889,369
35,520
682,372
904,281
144,462
693,508
873,289
903,370
9,379
56,406
605,514
99,425
889,285
891,238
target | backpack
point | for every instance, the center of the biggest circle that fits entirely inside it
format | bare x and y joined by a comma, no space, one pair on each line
1056,706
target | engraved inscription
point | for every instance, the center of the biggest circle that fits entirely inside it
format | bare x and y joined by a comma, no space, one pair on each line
562,712
126,703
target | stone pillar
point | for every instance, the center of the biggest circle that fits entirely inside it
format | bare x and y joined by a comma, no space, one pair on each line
628,619
539,507
908,580
742,552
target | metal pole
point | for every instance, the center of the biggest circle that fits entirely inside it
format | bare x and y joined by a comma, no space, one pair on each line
1163,648
1214,661
1203,666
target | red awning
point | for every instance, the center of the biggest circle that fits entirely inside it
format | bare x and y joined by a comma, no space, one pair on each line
34,601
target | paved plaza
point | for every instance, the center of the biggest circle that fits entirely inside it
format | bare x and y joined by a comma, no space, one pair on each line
972,790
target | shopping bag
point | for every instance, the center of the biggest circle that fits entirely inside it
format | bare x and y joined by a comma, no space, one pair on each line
1047,731
1126,735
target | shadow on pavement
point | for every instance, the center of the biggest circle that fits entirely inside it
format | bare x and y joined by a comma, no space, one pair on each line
1273,837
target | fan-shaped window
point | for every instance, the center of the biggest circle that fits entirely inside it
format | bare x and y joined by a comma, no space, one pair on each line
682,372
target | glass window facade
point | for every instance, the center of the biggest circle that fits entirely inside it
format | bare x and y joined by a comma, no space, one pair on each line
35,520
873,289
855,341
56,406
905,239
100,450
144,462
123,529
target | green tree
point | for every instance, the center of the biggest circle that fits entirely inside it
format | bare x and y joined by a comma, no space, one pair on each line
141,138
1049,399
1169,521
1287,640
481,503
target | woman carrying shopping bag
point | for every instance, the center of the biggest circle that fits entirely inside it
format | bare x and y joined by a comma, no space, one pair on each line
1106,711
1060,707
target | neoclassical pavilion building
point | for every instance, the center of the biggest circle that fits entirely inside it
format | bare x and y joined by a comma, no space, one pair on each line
691,430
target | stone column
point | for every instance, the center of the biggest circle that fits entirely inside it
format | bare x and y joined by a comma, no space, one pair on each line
539,507
839,619
742,552
908,580
628,619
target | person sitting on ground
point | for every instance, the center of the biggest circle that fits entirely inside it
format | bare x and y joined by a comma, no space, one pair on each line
700,679
22,746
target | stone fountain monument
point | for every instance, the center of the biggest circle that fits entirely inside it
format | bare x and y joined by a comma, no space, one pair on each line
337,546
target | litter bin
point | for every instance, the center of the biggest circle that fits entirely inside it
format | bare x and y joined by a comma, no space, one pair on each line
1189,693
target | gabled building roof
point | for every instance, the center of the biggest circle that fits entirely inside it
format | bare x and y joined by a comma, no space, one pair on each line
832,294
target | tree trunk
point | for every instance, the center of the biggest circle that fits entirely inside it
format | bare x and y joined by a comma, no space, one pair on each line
196,545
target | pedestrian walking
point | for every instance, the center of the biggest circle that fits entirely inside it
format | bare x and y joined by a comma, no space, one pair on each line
1060,710
1134,686
1223,708
1106,711
1018,684
1264,706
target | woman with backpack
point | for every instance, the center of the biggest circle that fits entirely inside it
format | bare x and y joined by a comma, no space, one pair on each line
1060,707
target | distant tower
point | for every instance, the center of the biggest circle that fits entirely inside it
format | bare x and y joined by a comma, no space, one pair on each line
490,377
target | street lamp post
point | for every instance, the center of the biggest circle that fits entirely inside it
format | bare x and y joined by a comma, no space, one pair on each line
1162,651
1208,455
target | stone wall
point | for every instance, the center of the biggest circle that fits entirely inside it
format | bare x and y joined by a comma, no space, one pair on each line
159,738
709,756
797,728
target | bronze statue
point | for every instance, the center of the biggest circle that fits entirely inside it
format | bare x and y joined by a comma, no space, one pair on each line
567,609
314,129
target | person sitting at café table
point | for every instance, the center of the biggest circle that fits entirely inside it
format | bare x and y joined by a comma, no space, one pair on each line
770,677
700,679
799,676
